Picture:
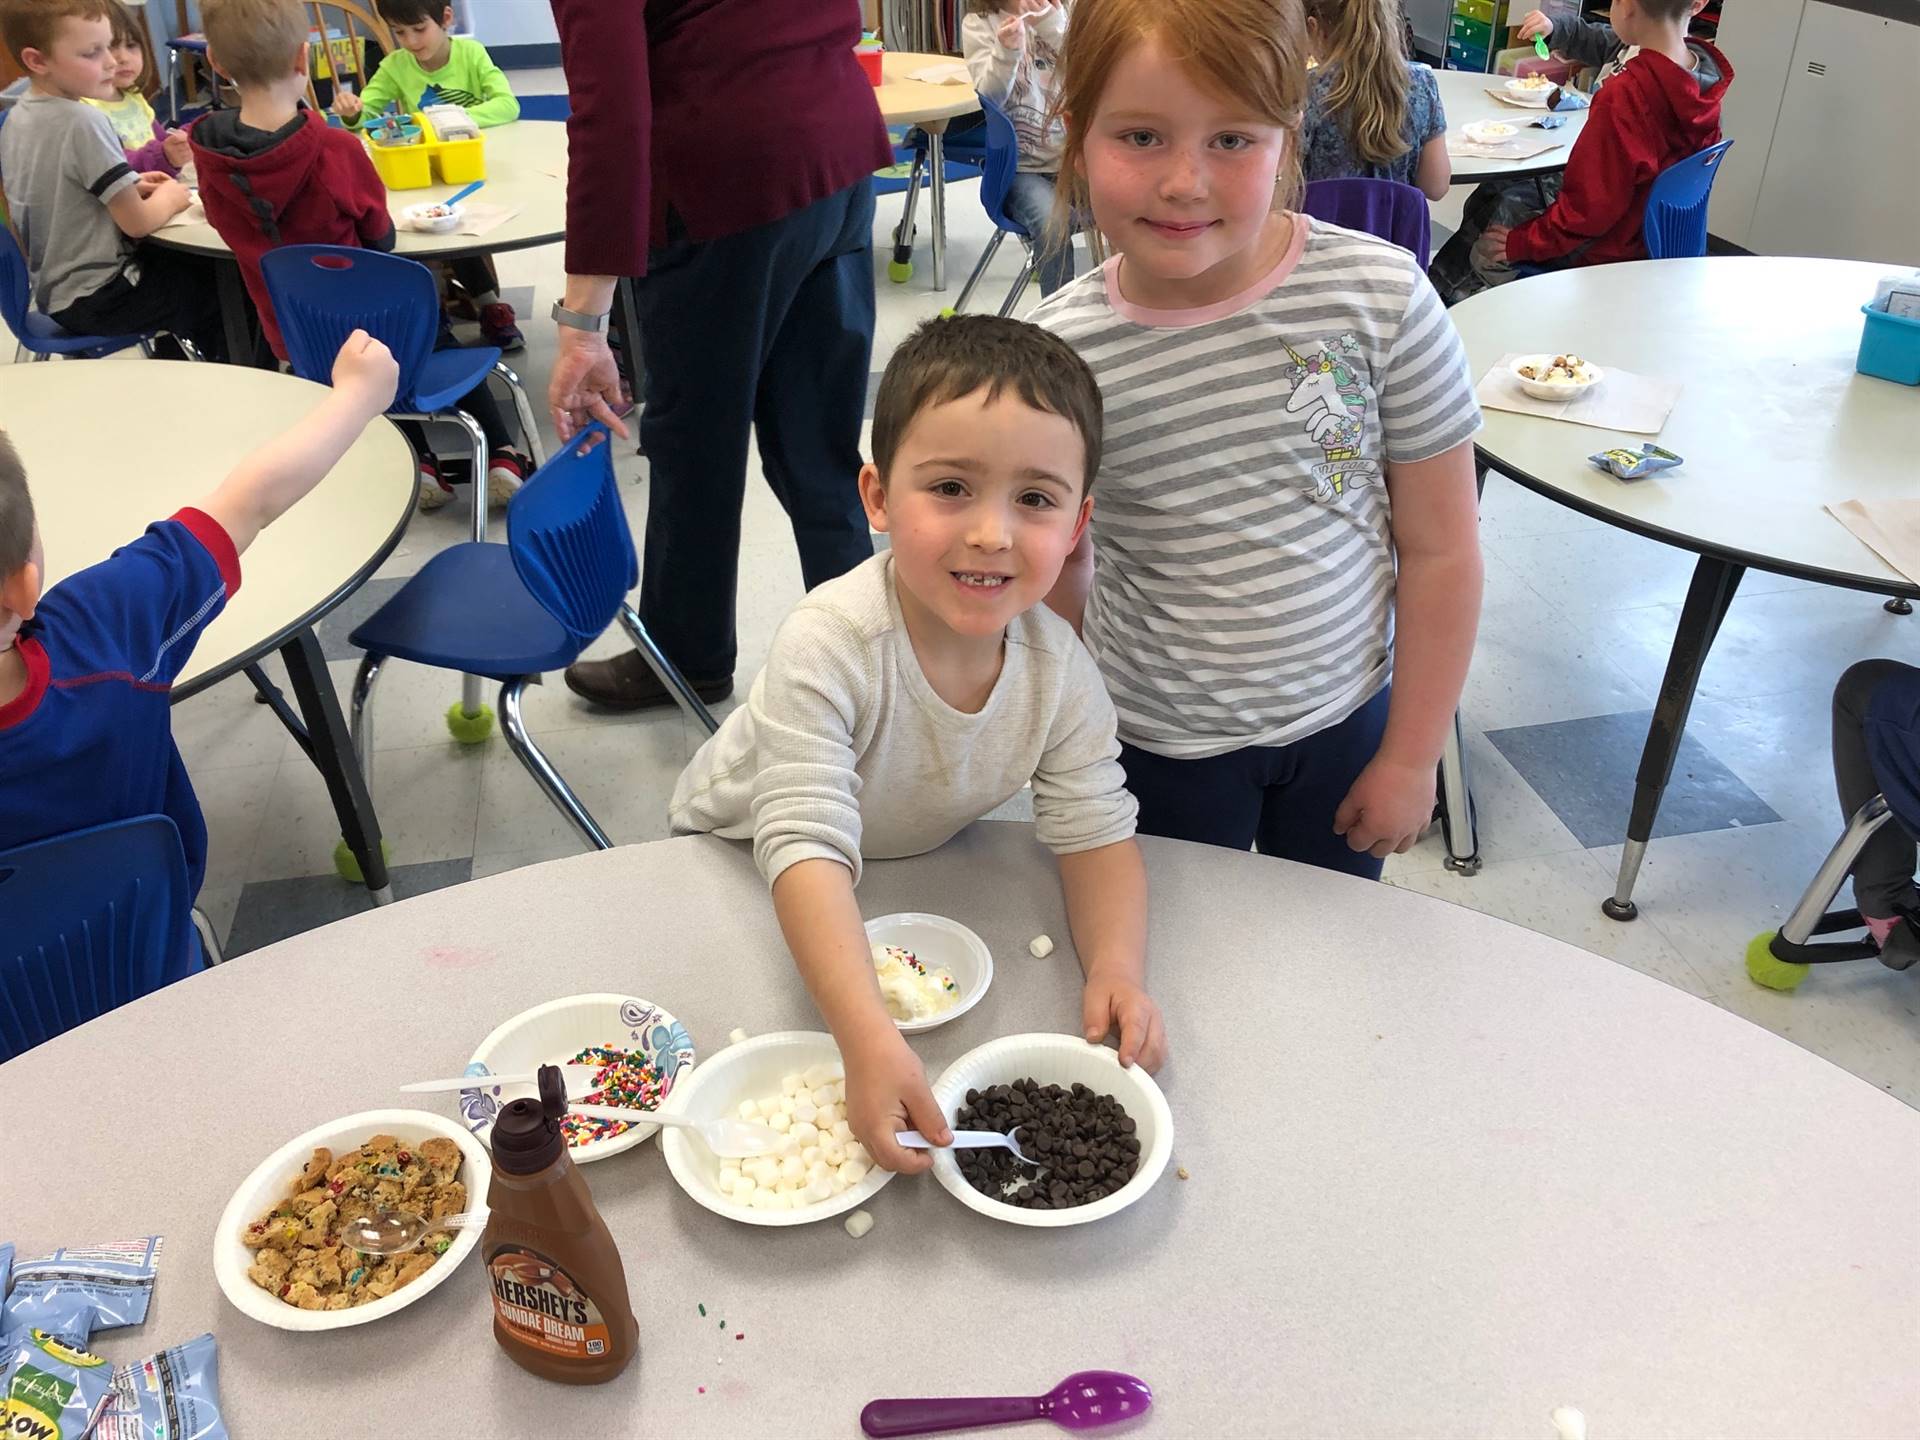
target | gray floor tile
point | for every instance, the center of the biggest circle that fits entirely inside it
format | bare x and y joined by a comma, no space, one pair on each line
271,910
1584,770
335,629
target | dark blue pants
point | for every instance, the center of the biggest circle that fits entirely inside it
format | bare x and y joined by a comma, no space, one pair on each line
1278,799
768,330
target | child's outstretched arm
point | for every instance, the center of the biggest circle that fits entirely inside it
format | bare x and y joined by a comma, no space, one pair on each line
887,1088
1106,892
498,104
1436,537
270,481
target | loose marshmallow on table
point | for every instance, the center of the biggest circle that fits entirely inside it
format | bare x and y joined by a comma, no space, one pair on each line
1040,946
818,1157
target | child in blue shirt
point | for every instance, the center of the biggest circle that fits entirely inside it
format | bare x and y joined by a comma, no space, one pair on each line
85,669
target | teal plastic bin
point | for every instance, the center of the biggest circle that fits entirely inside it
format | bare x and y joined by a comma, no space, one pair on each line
1889,347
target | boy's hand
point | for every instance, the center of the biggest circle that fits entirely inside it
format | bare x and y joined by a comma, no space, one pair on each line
887,1092
177,149
366,370
1116,1003
1387,808
1491,247
1532,25
347,105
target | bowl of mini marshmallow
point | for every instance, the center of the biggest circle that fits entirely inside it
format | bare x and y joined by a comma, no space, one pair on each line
793,1082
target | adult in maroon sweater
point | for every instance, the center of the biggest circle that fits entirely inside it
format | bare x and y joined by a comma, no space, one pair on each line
722,150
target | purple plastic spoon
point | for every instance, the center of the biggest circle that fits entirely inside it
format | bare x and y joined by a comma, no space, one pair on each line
1085,1400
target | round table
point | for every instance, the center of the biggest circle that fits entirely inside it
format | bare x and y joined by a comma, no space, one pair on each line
1774,422
1463,94
1445,1174
526,172
906,101
96,486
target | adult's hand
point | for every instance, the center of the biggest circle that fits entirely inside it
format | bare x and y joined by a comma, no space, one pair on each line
585,385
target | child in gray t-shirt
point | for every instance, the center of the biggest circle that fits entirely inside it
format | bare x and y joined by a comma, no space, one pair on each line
78,208
918,692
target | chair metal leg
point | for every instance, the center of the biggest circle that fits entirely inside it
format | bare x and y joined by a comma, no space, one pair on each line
1458,823
524,408
664,670
937,192
986,259
209,942
1019,285
513,723
1805,920
360,715
903,232
189,349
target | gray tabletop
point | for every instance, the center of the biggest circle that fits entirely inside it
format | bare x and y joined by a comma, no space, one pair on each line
1446,1174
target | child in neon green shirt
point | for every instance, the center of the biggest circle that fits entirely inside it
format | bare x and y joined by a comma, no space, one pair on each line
457,71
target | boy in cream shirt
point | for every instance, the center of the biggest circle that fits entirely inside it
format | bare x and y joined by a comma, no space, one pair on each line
914,694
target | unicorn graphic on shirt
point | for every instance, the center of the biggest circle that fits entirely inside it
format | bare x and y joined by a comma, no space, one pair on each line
1332,400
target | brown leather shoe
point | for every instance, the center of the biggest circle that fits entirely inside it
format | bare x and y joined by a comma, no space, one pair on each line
626,683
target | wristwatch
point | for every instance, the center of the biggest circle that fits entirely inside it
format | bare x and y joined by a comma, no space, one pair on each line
573,319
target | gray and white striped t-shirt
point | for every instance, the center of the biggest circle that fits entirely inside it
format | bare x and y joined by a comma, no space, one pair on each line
1243,553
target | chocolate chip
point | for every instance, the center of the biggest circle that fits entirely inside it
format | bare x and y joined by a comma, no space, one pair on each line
1084,1140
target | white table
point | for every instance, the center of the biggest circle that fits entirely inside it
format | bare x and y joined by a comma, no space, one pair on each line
526,171
1446,1174
1463,94
175,430
906,101
1774,423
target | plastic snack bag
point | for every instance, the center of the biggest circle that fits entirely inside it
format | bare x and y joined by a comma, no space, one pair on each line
52,1391
74,1292
1633,464
174,1395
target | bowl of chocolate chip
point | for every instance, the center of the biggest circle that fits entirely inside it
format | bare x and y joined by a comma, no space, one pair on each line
1099,1134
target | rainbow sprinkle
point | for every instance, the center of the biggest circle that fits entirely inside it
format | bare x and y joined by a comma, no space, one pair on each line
907,958
621,1077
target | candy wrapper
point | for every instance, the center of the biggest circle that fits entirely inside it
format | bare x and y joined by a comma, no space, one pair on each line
1567,98
1632,464
174,1395
72,1293
51,1391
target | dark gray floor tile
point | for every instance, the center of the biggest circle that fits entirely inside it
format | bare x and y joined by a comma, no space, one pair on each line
272,910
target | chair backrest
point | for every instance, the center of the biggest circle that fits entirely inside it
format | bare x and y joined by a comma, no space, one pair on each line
1003,162
569,538
323,293
345,52
1675,225
1394,212
88,921
16,286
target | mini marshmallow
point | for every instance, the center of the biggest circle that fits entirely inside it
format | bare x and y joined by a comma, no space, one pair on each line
789,1084
819,1172
805,1134
791,1168
729,1177
1040,946
815,1077
805,1110
858,1153
810,1154
853,1172
780,1121
749,1110
823,1096
829,1116
736,1035
765,1200
769,1107
834,1154
743,1189
859,1223
764,1170
841,1131
788,1105
839,1092
816,1191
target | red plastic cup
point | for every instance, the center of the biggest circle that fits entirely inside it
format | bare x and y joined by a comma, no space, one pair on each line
869,58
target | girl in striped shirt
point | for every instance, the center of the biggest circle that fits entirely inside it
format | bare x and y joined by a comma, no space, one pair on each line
1289,454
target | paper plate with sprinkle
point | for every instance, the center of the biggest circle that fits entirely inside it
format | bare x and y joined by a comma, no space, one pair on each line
638,1052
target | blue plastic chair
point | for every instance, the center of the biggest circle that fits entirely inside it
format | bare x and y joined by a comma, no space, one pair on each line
512,612
1398,214
962,149
322,293
88,921
1675,225
1394,212
1003,163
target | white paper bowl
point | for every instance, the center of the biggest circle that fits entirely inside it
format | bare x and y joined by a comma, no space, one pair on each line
1554,389
1525,95
272,1180
940,943
1489,132
1057,1060
552,1034
417,218
751,1070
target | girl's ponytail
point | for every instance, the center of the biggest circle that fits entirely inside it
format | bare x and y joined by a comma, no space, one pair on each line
1368,96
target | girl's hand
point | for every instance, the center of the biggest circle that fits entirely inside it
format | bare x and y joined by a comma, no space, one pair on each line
1387,808
346,104
1012,32
887,1092
1111,1003
178,151
1532,25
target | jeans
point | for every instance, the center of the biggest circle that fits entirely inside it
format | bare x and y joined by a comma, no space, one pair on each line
767,332
1279,799
1876,753
1030,202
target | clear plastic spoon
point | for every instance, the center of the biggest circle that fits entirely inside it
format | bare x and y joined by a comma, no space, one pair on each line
579,1080
394,1232
729,1139
1085,1400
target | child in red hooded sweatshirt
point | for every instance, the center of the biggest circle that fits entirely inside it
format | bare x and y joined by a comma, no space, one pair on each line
1662,107
273,173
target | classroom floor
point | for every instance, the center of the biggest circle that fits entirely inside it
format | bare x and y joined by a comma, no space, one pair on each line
1573,641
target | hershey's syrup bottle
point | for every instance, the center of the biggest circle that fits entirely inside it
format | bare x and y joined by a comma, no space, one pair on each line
559,1291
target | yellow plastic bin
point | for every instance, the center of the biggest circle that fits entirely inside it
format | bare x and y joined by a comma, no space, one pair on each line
428,160
406,166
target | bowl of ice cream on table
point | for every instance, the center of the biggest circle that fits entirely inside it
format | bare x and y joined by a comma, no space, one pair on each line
930,969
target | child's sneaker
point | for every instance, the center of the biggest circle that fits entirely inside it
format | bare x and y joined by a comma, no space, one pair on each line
506,473
434,492
1898,937
498,327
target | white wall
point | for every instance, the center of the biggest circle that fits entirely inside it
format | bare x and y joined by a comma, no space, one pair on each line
515,22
